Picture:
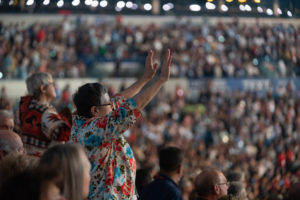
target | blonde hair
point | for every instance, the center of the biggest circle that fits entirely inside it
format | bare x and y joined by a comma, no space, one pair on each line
63,162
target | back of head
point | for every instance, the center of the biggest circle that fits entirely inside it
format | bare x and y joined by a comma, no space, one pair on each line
15,163
170,158
294,192
205,182
10,142
6,120
62,162
235,189
87,96
234,176
35,81
24,185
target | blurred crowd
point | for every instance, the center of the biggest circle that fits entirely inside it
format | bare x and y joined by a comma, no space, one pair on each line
257,136
72,48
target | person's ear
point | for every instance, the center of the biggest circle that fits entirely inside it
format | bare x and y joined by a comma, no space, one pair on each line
43,88
216,189
94,111
179,169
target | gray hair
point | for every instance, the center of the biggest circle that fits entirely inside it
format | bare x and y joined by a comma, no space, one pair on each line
35,81
5,114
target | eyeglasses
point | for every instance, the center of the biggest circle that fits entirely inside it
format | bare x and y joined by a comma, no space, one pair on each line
227,183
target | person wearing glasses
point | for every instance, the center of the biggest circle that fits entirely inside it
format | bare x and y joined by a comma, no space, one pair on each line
41,124
100,122
210,184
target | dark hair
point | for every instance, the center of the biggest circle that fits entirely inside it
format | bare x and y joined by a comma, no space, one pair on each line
234,176
235,189
24,185
170,158
88,95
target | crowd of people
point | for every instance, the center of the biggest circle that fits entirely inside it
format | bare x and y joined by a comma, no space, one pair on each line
143,142
255,138
75,48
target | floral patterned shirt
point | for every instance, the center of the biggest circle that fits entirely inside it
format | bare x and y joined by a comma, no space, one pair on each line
113,164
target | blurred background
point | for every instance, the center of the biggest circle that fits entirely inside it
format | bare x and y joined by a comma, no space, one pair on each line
233,101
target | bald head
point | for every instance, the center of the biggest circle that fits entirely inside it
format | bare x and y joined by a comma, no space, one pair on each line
6,120
10,142
211,184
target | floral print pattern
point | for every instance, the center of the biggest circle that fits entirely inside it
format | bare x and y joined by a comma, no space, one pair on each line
113,164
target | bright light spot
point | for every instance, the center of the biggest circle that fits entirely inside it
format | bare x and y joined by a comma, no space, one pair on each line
46,2
75,2
221,38
242,7
147,6
269,11
240,144
95,3
289,13
195,7
11,2
121,4
248,8
229,1
210,6
118,9
242,1
30,2
257,1
168,6
259,9
103,3
1,75
88,2
60,3
134,6
225,139
129,4
279,11
224,8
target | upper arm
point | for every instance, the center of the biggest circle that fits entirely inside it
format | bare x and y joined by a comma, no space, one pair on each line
54,126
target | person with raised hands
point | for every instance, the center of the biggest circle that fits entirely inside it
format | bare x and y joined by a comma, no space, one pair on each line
100,122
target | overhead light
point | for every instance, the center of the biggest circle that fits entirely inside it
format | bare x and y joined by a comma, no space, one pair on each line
242,7
229,1
118,9
147,6
259,9
46,2
75,2
248,8
95,3
210,0
121,4
224,8
88,2
168,6
195,7
269,11
103,3
210,6
242,1
129,4
256,1
60,3
279,11
134,6
11,2
289,13
30,2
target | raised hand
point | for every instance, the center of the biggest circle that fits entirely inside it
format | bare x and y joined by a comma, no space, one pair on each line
150,69
165,69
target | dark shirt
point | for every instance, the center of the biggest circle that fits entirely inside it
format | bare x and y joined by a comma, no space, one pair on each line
163,188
